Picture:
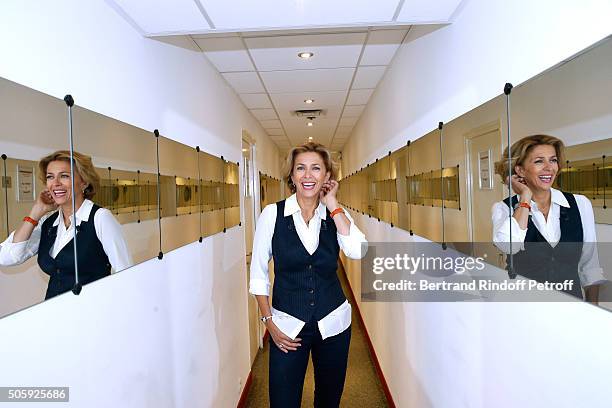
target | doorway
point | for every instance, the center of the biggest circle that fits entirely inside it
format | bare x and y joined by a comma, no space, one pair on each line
248,201
483,150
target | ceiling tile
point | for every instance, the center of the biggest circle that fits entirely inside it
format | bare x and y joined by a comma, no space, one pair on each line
353,110
270,124
427,11
275,132
359,96
344,129
348,121
283,13
308,80
382,46
256,101
330,102
264,114
244,82
368,77
226,54
158,16
330,51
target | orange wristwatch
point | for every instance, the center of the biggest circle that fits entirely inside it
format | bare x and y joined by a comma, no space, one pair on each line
30,220
524,205
336,211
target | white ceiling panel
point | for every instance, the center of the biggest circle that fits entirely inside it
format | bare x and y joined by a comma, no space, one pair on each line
353,111
244,82
256,101
330,51
382,46
368,77
308,80
348,121
157,16
264,114
359,96
286,103
271,124
275,132
226,54
428,11
346,129
297,13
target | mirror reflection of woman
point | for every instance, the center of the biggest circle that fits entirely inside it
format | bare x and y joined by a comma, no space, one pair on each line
553,232
309,313
48,230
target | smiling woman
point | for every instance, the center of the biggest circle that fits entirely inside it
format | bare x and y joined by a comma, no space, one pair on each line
551,233
309,312
48,229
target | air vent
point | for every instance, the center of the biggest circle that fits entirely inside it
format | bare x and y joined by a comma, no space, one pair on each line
309,113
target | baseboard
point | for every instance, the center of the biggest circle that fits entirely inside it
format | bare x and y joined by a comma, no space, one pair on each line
370,345
245,392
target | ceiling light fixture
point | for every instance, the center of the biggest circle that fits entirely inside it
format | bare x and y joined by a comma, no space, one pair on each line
309,100
310,121
309,137
305,55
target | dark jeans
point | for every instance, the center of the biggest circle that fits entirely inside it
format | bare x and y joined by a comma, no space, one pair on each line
329,358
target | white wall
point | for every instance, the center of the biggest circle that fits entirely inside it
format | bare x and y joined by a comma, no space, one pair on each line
164,333
494,354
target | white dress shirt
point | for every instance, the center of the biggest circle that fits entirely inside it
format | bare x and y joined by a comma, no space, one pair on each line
589,270
108,231
337,320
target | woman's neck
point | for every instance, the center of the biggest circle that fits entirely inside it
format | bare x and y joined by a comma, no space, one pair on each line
67,209
542,198
308,205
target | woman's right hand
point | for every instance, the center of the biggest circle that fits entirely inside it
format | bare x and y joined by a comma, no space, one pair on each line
520,187
282,341
44,203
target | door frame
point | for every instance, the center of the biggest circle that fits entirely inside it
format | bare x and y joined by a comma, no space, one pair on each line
468,137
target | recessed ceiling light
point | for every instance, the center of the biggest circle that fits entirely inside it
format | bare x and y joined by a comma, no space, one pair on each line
309,100
305,55
309,137
309,123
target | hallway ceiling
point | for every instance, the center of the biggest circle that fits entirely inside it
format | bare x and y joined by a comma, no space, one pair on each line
256,51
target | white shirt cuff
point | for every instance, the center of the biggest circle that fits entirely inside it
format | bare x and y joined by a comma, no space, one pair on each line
259,287
591,277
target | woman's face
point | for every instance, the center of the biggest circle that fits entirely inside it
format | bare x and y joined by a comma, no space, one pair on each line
540,168
309,174
59,183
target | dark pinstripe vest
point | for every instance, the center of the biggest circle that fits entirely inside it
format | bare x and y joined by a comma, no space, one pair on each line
540,261
305,286
93,262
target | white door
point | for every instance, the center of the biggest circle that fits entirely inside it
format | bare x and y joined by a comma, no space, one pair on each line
248,184
484,149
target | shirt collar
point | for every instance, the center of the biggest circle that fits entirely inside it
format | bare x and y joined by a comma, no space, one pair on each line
82,214
557,197
292,206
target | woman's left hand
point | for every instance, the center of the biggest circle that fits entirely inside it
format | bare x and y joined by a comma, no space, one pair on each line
328,192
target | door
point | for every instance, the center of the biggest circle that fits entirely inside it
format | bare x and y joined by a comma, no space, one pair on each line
248,183
485,188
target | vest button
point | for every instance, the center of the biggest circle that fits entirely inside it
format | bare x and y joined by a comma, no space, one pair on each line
309,266
57,270
312,303
311,291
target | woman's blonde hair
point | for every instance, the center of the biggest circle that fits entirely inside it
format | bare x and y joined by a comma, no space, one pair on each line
330,165
521,149
83,166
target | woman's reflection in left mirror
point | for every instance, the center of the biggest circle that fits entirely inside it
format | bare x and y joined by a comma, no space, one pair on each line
47,231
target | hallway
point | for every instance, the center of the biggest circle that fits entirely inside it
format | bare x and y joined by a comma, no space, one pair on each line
362,387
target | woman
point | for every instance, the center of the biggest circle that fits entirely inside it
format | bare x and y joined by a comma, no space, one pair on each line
48,230
310,312
553,232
